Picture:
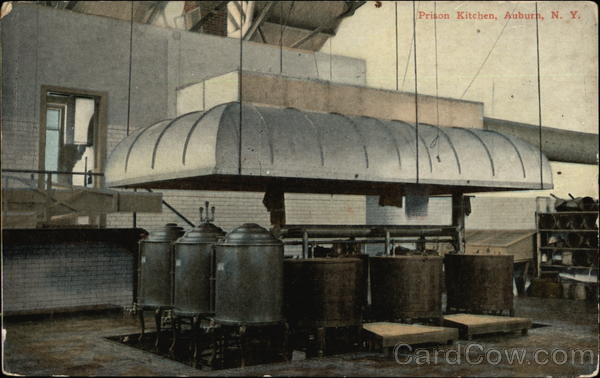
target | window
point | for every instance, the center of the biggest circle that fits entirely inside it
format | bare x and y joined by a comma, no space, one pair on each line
70,142
54,121
73,139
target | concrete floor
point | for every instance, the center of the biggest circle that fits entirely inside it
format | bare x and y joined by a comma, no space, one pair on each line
76,346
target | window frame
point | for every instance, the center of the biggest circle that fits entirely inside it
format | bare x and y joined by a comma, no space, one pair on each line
100,132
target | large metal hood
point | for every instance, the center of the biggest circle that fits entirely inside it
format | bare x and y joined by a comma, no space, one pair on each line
302,151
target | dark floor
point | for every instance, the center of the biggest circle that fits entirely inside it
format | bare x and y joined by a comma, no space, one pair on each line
77,346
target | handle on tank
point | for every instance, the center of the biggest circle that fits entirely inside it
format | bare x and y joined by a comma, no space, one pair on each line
210,216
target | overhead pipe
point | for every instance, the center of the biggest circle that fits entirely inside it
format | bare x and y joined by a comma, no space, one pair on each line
383,231
362,241
557,144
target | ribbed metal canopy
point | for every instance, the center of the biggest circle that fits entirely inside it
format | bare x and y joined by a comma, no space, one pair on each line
303,151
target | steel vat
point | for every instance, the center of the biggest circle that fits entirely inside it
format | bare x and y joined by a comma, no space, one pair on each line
249,277
155,267
193,270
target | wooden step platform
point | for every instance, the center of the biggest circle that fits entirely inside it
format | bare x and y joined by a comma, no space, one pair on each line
469,324
385,335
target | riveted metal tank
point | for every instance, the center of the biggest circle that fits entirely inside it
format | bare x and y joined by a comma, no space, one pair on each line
479,283
406,287
249,277
194,253
323,292
155,267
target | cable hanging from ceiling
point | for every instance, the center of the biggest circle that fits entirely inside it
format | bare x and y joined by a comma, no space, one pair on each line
240,95
396,35
134,214
409,56
283,25
130,66
435,141
539,93
488,55
416,88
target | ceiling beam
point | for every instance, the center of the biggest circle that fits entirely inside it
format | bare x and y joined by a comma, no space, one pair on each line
156,7
352,7
258,21
202,21
262,35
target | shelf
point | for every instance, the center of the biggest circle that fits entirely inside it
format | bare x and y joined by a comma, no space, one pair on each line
564,230
568,249
586,231
559,213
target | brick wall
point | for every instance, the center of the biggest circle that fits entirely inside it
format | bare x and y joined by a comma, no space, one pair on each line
217,23
487,213
439,212
41,276
502,213
235,208
22,151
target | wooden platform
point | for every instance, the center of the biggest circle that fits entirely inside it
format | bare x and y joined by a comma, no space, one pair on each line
469,324
385,335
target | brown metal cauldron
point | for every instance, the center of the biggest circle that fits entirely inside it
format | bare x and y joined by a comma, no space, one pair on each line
323,292
406,287
479,283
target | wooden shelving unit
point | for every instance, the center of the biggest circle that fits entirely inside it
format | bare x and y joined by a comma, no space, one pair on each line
553,225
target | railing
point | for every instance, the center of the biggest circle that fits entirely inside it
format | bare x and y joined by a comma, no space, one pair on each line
86,179
36,184
43,186
309,236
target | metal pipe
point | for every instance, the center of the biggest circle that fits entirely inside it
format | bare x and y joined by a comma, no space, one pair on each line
365,231
41,171
134,215
367,241
304,245
329,233
85,176
458,221
387,242
174,210
557,144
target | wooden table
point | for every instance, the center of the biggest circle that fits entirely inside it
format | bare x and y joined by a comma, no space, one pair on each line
469,324
386,336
